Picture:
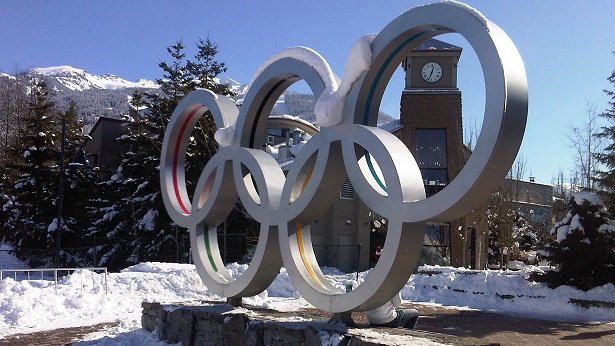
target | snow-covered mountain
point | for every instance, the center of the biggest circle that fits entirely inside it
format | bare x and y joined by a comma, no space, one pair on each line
108,95
6,75
238,88
79,80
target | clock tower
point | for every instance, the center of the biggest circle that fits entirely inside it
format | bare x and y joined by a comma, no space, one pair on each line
431,112
432,65
430,116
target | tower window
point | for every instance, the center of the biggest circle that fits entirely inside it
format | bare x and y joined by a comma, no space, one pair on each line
431,157
431,148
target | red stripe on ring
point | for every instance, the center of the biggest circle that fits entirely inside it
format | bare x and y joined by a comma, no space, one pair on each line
176,157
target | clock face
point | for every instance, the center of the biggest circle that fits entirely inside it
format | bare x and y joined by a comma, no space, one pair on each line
431,72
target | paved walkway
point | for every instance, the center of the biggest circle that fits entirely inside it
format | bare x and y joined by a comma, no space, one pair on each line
62,336
462,327
445,325
459,327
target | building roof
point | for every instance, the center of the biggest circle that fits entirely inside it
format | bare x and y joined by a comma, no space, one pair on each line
392,126
105,119
289,120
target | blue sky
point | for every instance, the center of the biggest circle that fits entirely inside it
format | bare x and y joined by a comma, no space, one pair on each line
566,47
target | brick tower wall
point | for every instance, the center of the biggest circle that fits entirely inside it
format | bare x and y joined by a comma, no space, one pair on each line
434,110
438,109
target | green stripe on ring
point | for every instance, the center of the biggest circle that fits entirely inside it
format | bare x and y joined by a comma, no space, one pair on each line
372,90
209,254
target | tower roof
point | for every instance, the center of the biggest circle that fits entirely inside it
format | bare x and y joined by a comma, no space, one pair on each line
433,44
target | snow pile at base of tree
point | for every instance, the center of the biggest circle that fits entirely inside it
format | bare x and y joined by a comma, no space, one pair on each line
30,305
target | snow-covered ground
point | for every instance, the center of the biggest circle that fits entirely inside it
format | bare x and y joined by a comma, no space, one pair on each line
31,305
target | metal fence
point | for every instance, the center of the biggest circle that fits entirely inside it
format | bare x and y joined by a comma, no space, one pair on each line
18,259
95,255
237,248
48,276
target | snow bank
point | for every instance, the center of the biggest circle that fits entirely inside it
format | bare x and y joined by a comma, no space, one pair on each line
506,292
31,305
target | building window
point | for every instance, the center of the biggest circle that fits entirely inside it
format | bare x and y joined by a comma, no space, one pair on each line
436,244
347,190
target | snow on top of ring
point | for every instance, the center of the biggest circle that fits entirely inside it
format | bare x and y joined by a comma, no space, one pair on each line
470,9
225,135
305,54
330,104
213,94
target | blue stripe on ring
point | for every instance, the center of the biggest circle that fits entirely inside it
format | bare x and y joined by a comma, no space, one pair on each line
368,158
372,90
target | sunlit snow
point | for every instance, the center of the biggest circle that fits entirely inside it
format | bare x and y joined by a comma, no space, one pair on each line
31,305
79,80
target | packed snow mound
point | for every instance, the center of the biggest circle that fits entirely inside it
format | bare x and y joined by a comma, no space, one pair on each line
79,80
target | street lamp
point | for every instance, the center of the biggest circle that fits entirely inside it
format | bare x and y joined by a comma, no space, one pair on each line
60,192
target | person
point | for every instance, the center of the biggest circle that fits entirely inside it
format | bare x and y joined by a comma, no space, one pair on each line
377,253
391,315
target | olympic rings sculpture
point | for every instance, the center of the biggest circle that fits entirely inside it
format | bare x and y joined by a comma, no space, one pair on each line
377,163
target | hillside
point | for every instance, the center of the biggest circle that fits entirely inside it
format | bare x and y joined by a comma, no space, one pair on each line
108,95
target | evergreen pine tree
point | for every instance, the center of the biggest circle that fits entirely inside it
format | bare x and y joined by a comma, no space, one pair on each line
176,81
30,220
14,95
583,247
494,253
205,68
79,187
500,223
524,237
132,224
30,209
606,179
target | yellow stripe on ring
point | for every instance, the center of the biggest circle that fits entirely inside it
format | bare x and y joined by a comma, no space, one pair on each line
306,263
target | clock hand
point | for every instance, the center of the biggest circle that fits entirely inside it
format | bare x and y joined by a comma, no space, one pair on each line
432,68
